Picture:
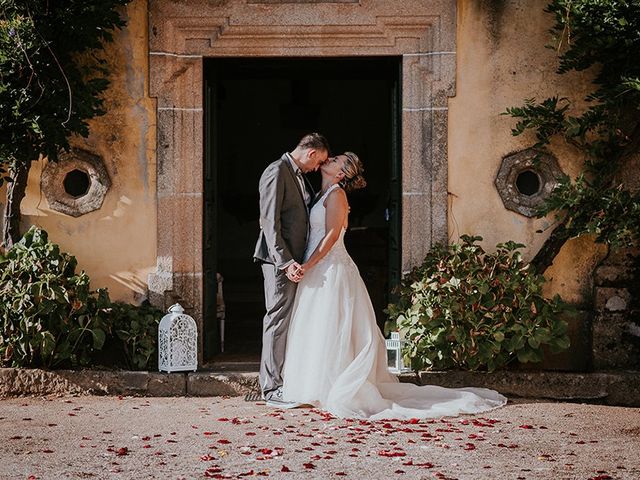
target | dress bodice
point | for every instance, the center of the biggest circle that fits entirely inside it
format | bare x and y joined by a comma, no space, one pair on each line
317,225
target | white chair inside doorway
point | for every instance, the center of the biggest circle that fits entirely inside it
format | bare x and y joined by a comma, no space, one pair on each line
220,309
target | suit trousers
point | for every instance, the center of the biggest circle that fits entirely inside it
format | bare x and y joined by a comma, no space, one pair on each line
279,296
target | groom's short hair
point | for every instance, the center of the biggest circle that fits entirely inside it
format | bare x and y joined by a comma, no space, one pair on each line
314,140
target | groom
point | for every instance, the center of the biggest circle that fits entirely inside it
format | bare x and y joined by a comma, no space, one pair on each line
285,196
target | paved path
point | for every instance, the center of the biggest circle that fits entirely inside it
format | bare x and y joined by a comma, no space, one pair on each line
180,438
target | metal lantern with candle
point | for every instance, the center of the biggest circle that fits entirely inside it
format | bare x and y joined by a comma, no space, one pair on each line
177,341
395,361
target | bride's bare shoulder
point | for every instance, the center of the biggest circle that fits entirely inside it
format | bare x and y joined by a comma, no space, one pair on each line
337,196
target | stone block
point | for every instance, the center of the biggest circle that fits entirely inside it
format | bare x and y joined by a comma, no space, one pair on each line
622,256
564,386
612,299
179,152
108,382
612,275
180,231
167,384
202,384
93,382
175,80
578,357
416,229
624,389
616,304
614,343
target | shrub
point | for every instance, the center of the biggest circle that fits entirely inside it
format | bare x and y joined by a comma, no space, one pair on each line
48,314
465,308
135,329
50,317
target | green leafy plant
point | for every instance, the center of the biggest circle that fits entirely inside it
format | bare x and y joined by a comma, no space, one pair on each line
50,317
48,314
465,308
136,329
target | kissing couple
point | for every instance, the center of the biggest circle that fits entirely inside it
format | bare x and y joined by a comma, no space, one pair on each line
321,344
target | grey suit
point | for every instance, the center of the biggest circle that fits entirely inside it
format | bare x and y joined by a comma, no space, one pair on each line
284,227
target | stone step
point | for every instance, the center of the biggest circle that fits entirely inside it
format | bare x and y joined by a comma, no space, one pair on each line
605,387
20,382
619,387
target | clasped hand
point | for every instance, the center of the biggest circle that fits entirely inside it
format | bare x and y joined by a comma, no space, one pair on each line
294,272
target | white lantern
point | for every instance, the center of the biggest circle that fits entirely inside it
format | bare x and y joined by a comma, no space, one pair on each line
177,341
395,362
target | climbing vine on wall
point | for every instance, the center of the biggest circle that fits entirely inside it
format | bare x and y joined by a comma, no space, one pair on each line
604,38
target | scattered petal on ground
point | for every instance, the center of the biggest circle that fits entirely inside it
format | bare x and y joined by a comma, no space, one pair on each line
231,439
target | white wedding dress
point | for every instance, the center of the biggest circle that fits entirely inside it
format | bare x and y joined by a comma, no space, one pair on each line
336,356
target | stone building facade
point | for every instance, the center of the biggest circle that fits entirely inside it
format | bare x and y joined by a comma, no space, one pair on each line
460,65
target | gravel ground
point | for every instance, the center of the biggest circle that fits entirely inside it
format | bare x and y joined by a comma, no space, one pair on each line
180,438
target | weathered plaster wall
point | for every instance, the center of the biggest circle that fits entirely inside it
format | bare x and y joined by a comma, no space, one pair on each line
501,61
115,245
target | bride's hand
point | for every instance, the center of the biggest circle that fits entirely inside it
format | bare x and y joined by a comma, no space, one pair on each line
294,272
305,267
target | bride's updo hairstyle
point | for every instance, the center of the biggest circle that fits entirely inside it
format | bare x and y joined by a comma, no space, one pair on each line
353,170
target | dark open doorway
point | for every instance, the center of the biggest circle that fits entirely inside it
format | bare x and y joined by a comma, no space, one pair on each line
255,110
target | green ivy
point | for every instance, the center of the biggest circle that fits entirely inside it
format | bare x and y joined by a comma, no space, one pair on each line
465,308
603,36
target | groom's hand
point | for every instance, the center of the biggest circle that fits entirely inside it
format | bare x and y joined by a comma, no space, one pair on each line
294,272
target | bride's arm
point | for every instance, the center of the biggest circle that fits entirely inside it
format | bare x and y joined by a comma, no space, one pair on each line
337,208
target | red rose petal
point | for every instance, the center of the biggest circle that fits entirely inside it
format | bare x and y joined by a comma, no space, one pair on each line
391,453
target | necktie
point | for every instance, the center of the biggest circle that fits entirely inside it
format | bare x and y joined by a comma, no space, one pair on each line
305,194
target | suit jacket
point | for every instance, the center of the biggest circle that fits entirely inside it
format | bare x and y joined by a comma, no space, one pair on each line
284,216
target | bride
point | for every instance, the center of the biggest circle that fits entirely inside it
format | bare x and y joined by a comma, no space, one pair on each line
336,356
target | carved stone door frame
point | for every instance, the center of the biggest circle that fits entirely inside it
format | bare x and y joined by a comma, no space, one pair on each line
182,34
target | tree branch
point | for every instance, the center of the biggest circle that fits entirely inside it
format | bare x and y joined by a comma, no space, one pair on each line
551,247
15,193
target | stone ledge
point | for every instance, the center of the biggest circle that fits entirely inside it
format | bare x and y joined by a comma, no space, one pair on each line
605,387
18,381
211,384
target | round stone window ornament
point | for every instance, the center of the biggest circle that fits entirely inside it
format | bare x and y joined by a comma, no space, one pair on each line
177,341
526,179
75,184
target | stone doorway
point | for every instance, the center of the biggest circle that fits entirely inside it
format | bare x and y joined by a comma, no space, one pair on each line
183,34
257,109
